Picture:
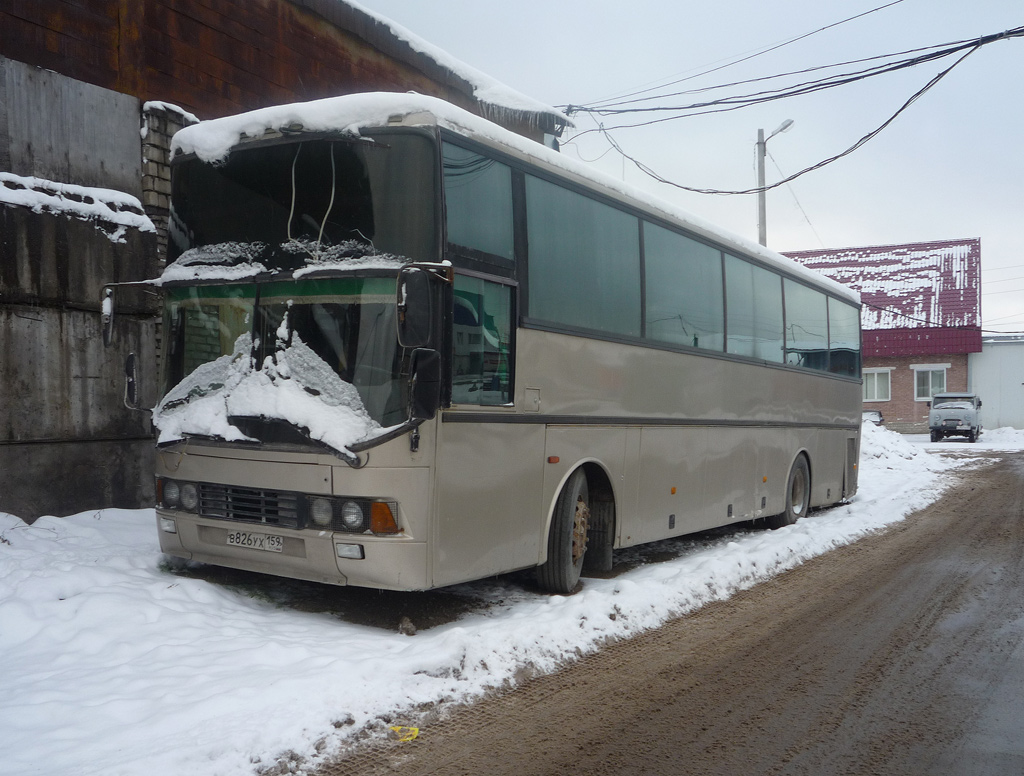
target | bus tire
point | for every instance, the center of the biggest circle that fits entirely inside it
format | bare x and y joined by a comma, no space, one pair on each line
567,540
798,495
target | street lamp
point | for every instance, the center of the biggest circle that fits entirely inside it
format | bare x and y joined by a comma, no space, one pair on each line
762,141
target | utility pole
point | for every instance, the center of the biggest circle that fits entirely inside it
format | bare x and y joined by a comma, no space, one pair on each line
762,207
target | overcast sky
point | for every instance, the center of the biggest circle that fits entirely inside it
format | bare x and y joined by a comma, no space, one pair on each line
951,166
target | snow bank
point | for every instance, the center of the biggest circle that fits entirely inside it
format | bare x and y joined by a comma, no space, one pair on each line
103,207
114,666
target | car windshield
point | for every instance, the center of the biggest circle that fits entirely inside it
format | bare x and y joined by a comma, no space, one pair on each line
954,404
319,355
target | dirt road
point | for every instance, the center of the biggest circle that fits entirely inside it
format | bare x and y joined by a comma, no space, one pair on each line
900,654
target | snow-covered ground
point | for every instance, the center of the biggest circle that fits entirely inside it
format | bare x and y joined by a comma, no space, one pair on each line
114,661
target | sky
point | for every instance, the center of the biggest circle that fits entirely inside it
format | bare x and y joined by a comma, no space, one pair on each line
950,166
118,661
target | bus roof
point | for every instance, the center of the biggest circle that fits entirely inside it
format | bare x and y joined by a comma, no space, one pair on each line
212,141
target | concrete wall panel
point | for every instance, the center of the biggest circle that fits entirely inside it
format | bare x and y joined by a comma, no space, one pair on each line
63,479
57,259
69,131
61,383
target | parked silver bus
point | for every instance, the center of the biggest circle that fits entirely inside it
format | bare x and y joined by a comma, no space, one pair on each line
405,348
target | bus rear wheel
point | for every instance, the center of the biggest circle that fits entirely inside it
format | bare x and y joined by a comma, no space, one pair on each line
798,495
567,540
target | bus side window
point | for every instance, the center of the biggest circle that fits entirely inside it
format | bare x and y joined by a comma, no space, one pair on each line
482,342
478,206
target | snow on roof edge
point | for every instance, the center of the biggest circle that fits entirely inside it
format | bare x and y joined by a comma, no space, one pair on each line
212,141
486,89
886,248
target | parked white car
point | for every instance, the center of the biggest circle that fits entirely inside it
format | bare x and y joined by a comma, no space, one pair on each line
955,414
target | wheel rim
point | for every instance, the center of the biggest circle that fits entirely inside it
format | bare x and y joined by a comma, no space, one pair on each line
798,492
580,520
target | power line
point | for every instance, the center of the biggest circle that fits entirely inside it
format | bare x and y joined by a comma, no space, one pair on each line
1008,291
754,55
735,103
602,109
648,171
801,207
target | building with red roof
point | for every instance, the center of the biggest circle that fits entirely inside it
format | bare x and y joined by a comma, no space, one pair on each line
921,318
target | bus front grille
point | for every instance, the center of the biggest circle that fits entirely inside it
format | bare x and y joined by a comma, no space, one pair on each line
249,505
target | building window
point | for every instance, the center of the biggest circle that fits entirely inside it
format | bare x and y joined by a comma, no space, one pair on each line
929,379
876,385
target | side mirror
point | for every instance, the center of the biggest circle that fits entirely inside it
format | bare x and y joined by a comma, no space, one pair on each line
131,382
416,315
107,315
425,384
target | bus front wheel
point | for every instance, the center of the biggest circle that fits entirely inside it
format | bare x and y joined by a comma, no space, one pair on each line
567,540
798,495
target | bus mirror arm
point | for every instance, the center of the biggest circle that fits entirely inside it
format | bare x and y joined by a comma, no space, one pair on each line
415,318
420,301
131,382
425,384
107,316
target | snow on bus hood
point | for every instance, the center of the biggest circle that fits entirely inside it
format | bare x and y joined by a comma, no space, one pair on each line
294,385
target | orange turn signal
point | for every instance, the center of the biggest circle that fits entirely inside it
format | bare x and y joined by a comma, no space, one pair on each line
382,520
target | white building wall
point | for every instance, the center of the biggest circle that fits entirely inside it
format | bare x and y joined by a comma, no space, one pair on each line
996,374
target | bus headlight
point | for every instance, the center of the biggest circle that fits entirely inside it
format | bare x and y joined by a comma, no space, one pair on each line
189,497
321,510
352,516
171,494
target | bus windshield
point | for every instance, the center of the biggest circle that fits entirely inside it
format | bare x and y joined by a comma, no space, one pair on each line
290,200
283,361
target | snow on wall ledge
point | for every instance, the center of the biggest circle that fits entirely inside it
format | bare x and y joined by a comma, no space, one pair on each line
112,212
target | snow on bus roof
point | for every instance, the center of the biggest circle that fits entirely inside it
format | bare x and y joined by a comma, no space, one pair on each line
212,141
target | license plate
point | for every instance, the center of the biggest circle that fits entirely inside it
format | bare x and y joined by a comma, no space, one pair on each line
256,541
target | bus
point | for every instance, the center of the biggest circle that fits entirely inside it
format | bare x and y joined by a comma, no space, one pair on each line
405,348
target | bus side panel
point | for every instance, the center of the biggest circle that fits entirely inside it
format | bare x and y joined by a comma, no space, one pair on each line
777,449
673,486
573,445
828,466
488,492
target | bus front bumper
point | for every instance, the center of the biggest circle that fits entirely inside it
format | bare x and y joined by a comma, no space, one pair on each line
330,557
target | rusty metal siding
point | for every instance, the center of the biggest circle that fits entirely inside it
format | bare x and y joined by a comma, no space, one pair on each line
218,57
78,39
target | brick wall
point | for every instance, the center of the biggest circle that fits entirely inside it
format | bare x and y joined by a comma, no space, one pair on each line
902,412
159,123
